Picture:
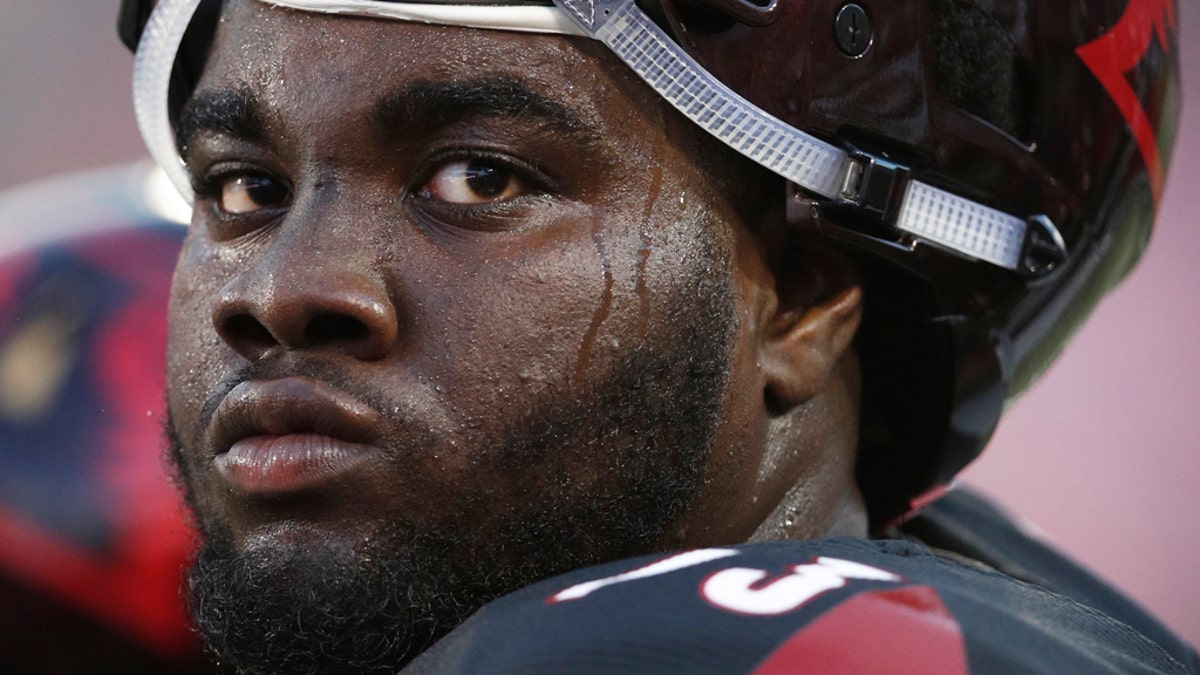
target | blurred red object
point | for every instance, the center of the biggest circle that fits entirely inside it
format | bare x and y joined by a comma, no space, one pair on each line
93,539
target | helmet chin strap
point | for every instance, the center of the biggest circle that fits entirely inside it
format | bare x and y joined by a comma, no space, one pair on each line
871,185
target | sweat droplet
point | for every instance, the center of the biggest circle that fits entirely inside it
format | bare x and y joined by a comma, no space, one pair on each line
589,338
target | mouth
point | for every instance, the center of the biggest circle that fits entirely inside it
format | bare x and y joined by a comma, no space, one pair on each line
291,435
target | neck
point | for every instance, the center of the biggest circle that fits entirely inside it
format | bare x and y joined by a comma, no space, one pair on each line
824,499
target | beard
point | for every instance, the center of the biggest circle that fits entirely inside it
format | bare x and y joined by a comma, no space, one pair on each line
644,432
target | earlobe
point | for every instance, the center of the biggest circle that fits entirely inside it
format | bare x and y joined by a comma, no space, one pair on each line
810,327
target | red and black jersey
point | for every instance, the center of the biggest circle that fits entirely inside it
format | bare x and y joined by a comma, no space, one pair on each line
822,606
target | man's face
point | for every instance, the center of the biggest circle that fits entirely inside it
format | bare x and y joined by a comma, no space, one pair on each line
458,310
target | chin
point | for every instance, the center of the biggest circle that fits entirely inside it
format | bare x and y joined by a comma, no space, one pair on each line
292,601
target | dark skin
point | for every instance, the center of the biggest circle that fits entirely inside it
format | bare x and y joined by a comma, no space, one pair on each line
473,285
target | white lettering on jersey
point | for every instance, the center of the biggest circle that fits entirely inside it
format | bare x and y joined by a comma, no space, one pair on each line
664,566
742,589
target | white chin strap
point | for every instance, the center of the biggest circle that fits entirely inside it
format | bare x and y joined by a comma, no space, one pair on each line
925,213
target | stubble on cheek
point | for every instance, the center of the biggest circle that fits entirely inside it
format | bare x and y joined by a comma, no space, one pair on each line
639,436
582,481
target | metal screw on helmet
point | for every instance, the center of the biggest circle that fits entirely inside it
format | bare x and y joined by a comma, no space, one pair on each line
852,29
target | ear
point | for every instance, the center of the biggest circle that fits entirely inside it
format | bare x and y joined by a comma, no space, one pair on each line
808,324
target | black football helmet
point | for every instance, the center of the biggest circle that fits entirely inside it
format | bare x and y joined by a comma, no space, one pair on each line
993,165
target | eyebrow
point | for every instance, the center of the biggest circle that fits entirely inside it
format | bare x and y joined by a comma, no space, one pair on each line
432,105
235,112
416,106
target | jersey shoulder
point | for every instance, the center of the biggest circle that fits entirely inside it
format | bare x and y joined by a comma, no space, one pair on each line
967,524
822,606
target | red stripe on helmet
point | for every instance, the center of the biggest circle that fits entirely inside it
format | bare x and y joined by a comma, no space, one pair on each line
1117,52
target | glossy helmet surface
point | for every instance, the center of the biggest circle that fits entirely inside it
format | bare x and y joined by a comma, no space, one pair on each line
1064,109
1057,115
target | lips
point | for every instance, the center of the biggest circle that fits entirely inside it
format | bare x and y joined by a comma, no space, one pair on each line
291,435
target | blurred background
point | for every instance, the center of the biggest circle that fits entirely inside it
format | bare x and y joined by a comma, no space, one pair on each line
1101,455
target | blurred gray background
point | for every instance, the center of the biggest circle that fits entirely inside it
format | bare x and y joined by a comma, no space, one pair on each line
1103,455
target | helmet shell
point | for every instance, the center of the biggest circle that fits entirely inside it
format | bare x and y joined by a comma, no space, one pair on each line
1062,112
1084,104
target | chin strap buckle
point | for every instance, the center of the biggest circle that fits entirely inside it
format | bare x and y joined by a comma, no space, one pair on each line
872,184
884,192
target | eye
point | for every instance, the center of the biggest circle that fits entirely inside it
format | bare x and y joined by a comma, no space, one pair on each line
247,193
473,181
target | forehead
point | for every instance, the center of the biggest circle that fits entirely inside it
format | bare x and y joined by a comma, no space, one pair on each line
325,61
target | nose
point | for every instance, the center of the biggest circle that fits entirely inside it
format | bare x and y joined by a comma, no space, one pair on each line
298,296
